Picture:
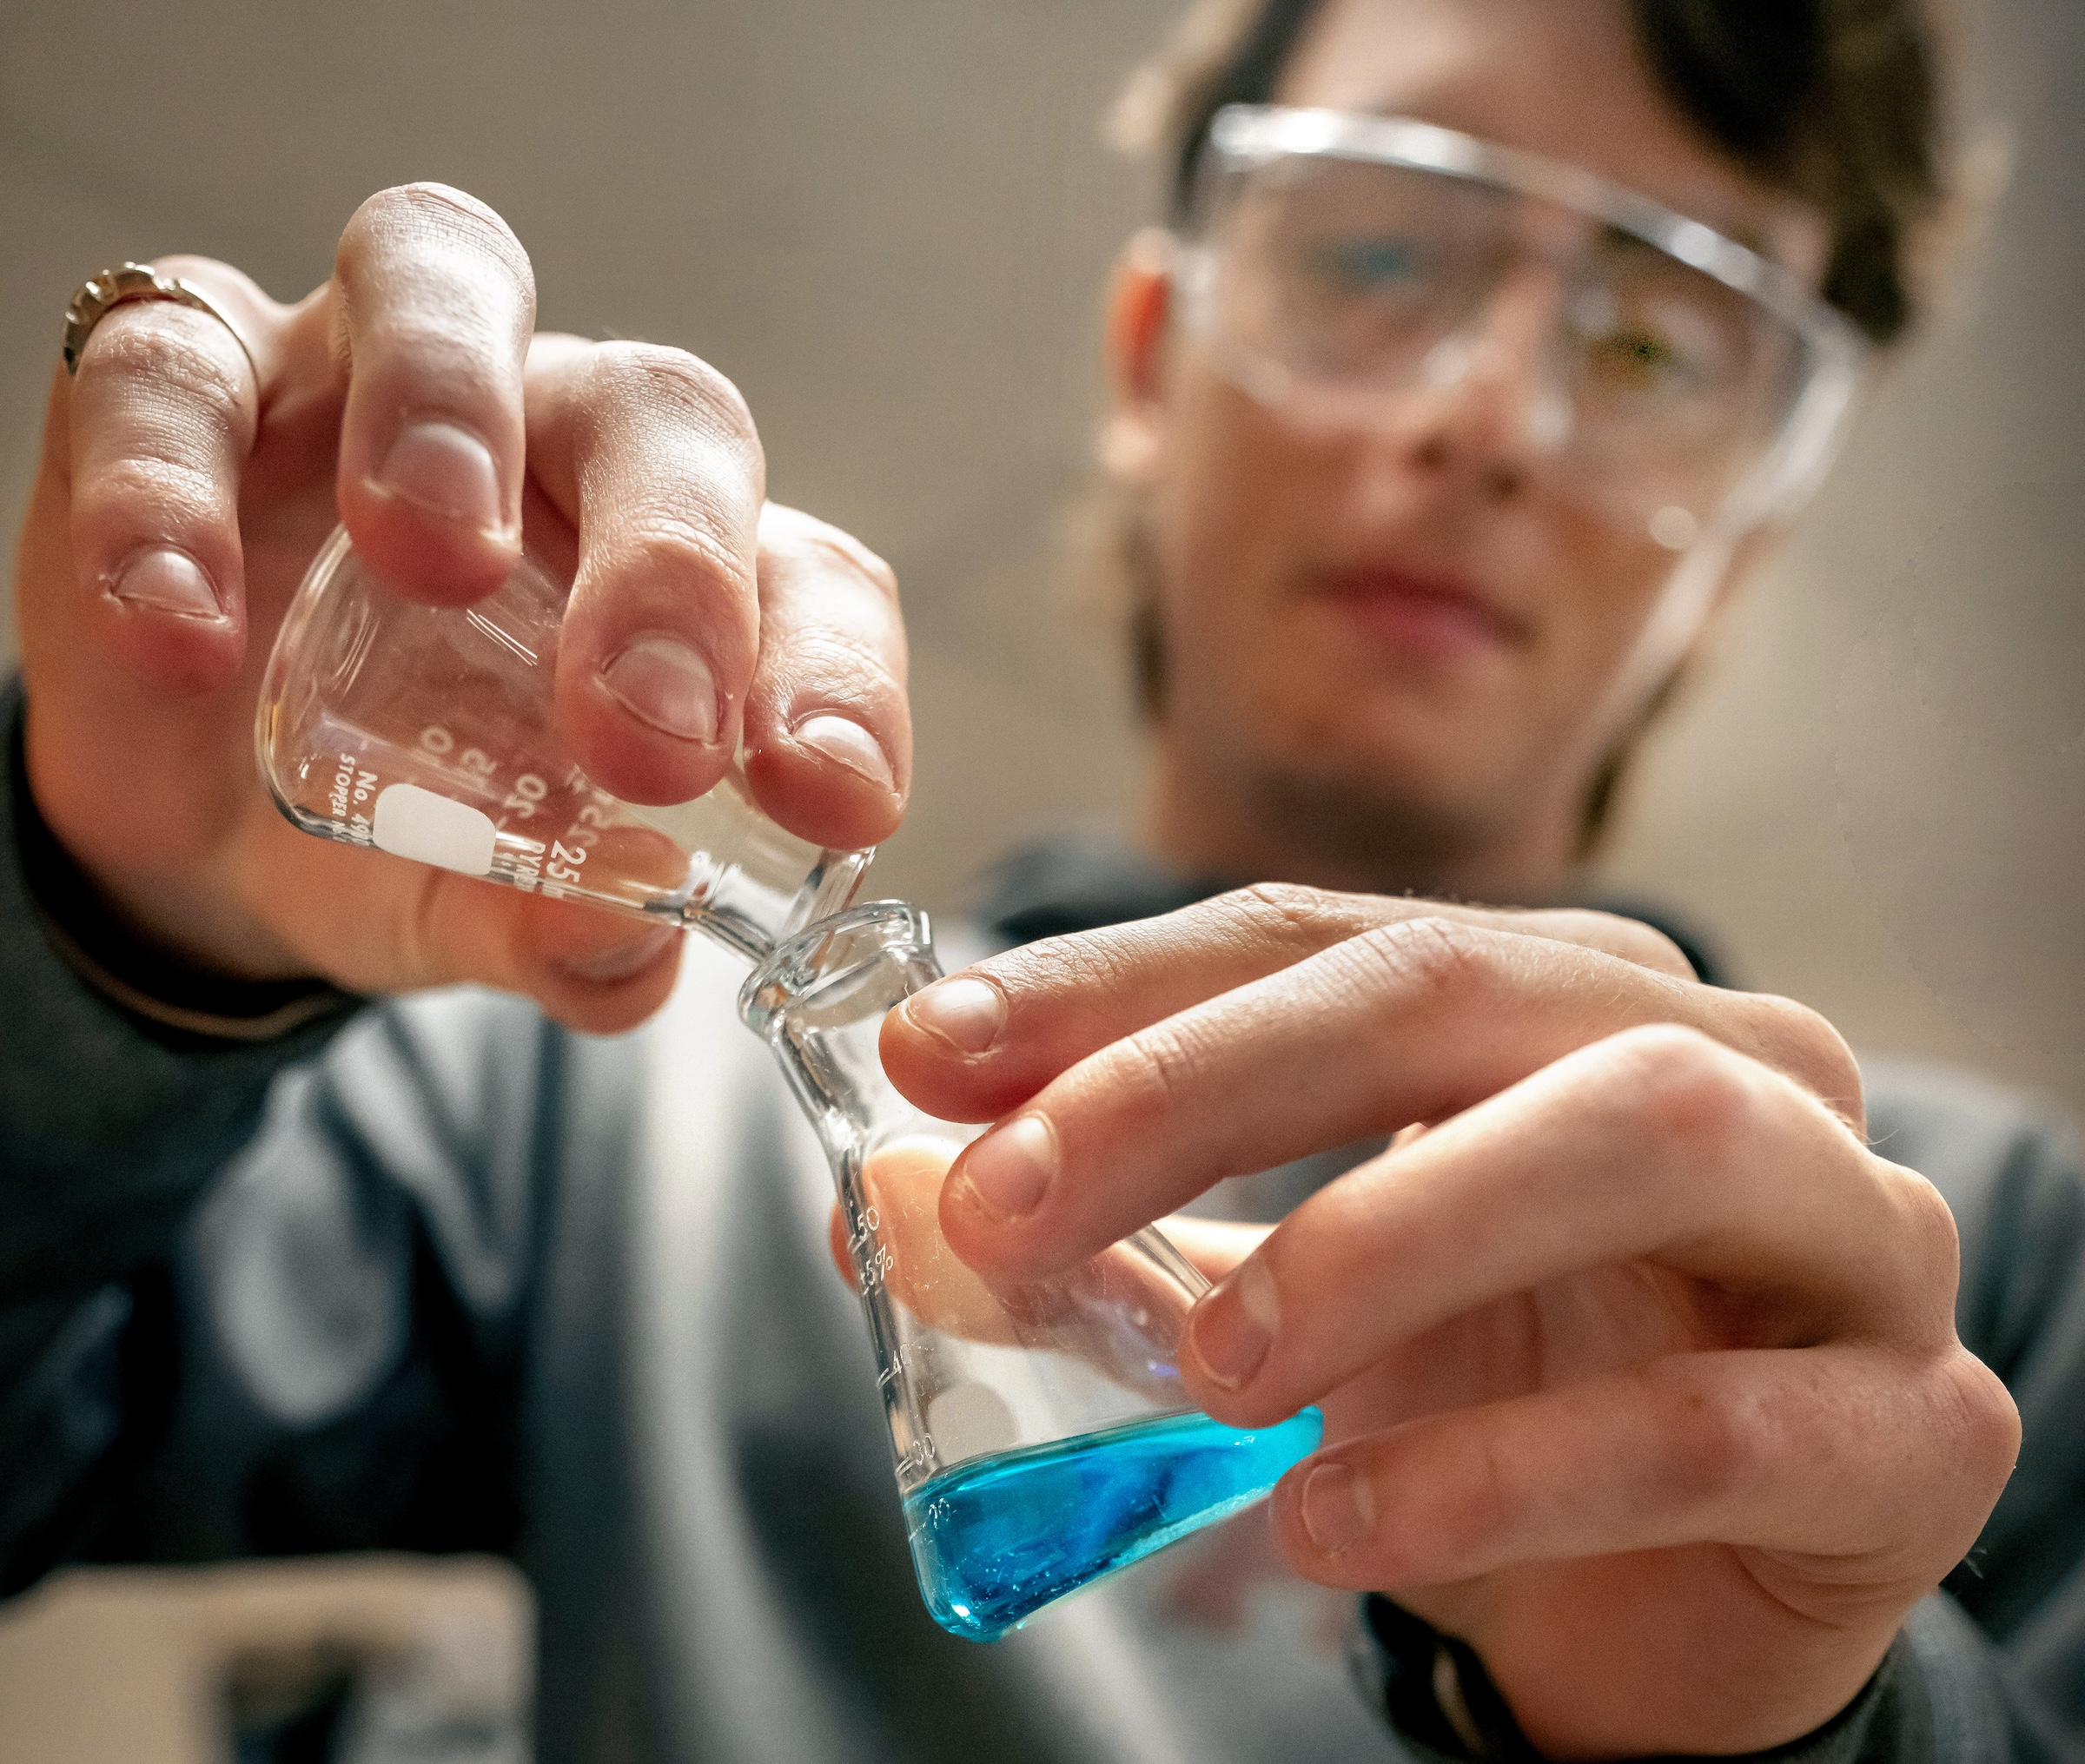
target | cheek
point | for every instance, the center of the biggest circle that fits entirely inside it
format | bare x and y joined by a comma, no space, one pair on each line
1600,584
1242,503
1233,481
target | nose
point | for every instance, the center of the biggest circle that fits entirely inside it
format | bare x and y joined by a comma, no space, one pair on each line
1488,408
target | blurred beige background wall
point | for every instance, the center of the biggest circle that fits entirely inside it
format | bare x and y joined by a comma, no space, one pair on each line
888,224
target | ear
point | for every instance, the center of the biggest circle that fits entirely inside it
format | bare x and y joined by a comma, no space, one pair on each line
1140,302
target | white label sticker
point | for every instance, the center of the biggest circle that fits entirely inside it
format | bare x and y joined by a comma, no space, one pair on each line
417,823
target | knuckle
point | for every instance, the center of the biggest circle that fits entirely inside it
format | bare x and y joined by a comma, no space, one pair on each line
1477,1508
1690,1091
1931,1241
836,666
1157,1068
1096,964
1980,1417
1441,959
1720,1437
1274,905
1285,915
1802,1042
455,343
819,543
1618,934
444,214
1288,902
1495,1495
665,546
145,343
658,379
179,493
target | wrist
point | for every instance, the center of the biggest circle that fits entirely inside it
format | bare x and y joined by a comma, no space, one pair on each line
168,995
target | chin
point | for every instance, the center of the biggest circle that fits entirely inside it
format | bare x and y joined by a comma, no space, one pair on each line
1391,823
1403,743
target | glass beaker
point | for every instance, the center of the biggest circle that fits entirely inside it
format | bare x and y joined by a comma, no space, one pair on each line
1041,1433
426,731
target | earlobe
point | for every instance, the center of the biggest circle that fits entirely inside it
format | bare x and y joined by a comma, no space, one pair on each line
1139,311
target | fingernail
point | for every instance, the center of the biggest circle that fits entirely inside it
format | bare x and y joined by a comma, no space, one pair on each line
967,1014
845,742
659,680
1009,1167
1232,1327
167,581
631,958
447,470
1338,1507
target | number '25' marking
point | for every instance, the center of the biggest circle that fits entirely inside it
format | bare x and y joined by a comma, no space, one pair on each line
564,861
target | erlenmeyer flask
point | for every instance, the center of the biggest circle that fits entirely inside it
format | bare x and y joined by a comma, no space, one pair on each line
426,731
1041,1432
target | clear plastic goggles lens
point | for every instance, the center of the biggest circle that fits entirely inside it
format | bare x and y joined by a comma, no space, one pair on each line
1337,285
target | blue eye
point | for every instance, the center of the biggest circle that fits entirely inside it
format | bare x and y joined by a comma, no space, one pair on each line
1374,263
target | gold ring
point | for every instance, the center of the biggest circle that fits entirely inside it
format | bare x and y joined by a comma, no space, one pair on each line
98,296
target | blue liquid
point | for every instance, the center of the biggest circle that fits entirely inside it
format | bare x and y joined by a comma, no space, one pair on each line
998,1538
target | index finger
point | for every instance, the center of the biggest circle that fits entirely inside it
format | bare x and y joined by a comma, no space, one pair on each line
1416,1021
984,1042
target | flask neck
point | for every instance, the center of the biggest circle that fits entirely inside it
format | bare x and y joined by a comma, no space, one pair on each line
819,998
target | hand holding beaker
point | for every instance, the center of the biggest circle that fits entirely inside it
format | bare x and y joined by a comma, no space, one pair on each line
188,476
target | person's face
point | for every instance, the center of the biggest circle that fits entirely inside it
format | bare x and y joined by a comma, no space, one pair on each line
1415,616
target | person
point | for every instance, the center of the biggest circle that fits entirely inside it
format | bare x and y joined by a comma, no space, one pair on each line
1654,1420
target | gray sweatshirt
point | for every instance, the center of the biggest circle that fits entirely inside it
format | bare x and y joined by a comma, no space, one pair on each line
438,1275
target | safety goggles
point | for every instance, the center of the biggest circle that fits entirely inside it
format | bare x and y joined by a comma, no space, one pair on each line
1343,267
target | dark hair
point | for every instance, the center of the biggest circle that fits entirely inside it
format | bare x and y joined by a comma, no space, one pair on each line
1836,101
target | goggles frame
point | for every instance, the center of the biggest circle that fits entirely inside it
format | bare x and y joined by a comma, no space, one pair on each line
1244,137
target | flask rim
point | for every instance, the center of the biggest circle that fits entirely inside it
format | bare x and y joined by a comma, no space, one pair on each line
795,972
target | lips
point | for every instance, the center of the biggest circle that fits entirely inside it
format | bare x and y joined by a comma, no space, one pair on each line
1428,616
